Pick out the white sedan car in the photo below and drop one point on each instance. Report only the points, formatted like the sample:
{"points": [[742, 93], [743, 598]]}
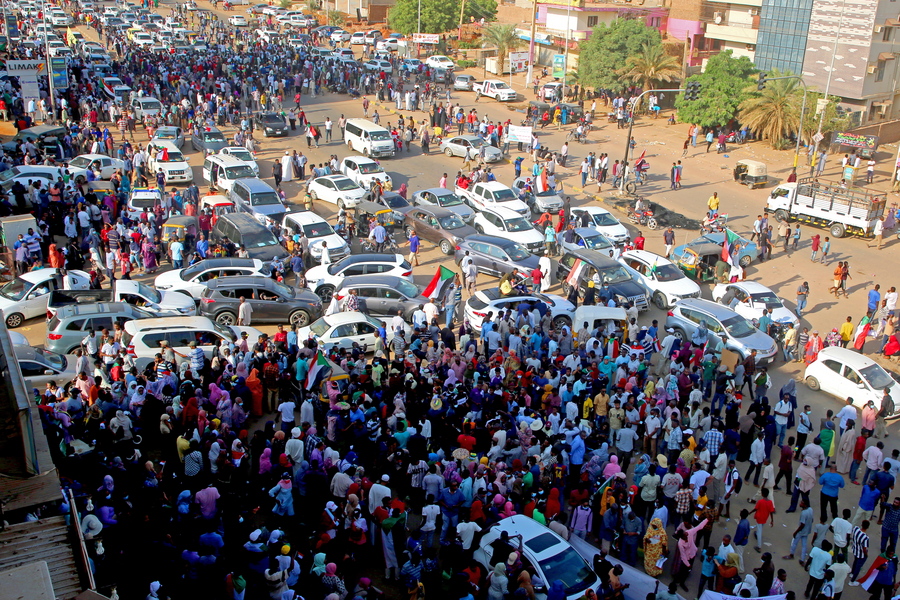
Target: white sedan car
{"points": [[25, 297], [192, 280], [749, 298], [348, 328], [336, 189], [846, 374], [602, 220], [439, 61], [339, 36], [387, 45], [107, 166], [492, 301], [378, 65], [238, 20], [358, 38], [666, 283], [364, 170]]}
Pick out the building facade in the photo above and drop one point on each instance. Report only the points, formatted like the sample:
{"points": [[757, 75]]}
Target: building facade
{"points": [[783, 31]]}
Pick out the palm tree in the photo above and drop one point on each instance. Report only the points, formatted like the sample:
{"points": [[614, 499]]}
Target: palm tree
{"points": [[504, 38], [651, 66], [773, 113]]}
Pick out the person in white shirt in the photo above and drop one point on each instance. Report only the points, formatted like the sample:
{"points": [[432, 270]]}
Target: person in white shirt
{"points": [[430, 513], [848, 413], [757, 456], [782, 412], [245, 312]]}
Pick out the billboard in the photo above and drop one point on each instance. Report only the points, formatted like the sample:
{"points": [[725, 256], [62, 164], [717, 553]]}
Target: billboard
{"points": [[868, 142], [60, 72], [27, 71], [517, 133], [559, 65], [426, 38], [12, 27], [518, 61]]}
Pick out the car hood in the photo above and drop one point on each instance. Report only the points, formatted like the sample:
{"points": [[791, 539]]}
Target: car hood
{"points": [[334, 241], [679, 287], [627, 289], [783, 315], [175, 301], [268, 253], [168, 279], [614, 232], [758, 341], [461, 210]]}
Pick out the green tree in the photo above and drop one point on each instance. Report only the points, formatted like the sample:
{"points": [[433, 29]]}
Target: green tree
{"points": [[438, 16], [724, 86], [833, 121], [334, 17], [607, 50], [773, 113], [651, 66], [502, 37]]}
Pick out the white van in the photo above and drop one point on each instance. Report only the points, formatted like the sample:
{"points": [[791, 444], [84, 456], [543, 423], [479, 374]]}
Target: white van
{"points": [[170, 159], [368, 138], [222, 170]]}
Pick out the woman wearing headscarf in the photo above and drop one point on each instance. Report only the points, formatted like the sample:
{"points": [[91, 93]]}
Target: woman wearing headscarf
{"points": [[265, 462], [749, 584], [593, 469], [641, 468], [612, 468], [332, 583], [498, 582], [826, 441], [728, 573], [656, 546], [845, 448], [256, 393], [284, 500], [121, 423], [747, 428], [553, 504], [213, 455], [557, 590], [190, 412]]}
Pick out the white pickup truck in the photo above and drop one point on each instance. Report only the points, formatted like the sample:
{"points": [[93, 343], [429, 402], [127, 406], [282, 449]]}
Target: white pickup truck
{"points": [[496, 89], [491, 194], [842, 211]]}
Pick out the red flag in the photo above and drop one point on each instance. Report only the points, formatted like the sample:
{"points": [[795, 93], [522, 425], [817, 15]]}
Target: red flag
{"points": [[164, 155]]}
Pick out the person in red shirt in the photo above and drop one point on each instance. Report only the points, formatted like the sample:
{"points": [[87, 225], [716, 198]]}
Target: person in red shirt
{"points": [[281, 337], [858, 450], [765, 511], [639, 241], [465, 439], [536, 277]]}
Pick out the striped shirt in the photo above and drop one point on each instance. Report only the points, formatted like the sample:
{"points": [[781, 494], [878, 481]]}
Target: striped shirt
{"points": [[860, 542]]}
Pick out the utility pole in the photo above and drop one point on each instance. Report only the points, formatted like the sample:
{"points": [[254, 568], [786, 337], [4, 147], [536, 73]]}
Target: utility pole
{"points": [[462, 12], [529, 77], [566, 59]]}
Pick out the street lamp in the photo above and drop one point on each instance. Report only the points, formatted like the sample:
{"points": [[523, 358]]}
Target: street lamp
{"points": [[818, 136], [635, 103]]}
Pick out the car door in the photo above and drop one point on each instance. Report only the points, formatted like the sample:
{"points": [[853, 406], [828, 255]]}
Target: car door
{"points": [[34, 374], [426, 226], [745, 309], [850, 384], [35, 303], [350, 169], [374, 300], [329, 191]]}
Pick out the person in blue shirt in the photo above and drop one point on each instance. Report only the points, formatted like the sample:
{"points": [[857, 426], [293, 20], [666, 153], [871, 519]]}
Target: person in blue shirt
{"points": [[742, 535], [202, 246], [884, 581], [451, 500], [831, 483], [868, 500], [708, 569], [874, 300], [517, 165]]}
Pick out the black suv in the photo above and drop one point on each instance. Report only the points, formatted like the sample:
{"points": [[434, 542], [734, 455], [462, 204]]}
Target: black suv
{"points": [[614, 279], [270, 123], [495, 255], [272, 301]]}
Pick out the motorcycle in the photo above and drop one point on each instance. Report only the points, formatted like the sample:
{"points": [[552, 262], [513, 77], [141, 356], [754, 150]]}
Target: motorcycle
{"points": [[643, 217], [713, 222], [734, 138]]}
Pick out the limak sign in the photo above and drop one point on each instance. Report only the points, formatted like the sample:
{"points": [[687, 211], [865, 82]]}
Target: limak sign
{"points": [[24, 66]]}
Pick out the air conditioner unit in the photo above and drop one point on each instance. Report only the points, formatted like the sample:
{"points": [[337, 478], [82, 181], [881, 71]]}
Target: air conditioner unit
{"points": [[879, 28], [871, 69], [753, 12], [718, 18], [751, 47]]}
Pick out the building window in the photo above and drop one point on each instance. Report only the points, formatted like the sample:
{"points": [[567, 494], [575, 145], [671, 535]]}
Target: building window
{"points": [[592, 22], [888, 34], [879, 71], [655, 22]]}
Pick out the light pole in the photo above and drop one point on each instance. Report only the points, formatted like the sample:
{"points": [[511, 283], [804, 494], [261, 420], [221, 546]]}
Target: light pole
{"points": [[818, 136], [419, 21], [636, 102], [529, 77], [566, 59], [49, 70]]}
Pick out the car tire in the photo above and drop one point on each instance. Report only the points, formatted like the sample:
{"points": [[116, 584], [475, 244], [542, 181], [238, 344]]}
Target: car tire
{"points": [[781, 215], [15, 320], [300, 318], [313, 195], [660, 301], [446, 248], [226, 318], [813, 384], [681, 334], [838, 230], [408, 231], [745, 261], [340, 204], [561, 321], [448, 152], [325, 293]]}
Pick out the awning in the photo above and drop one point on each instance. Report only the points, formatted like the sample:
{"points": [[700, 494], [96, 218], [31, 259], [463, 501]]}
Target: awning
{"points": [[882, 103], [887, 56]]}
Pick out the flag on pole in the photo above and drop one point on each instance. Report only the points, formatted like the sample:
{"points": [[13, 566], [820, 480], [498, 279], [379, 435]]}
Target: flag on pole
{"points": [[869, 578], [729, 246], [575, 275], [318, 368], [437, 283], [540, 182]]}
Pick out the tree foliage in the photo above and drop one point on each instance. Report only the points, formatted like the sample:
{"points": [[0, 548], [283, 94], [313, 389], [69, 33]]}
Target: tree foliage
{"points": [[724, 86], [608, 49], [334, 17], [773, 113], [438, 16], [651, 66], [504, 38]]}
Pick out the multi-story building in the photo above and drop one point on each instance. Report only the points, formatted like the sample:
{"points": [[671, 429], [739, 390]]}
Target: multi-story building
{"points": [[783, 30]]}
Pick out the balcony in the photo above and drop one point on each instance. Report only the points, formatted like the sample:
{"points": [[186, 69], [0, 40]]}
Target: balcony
{"points": [[740, 33]]}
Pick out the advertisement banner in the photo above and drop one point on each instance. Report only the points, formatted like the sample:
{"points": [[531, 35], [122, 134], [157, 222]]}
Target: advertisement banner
{"points": [[518, 61], [426, 38], [517, 133], [559, 65], [12, 27], [60, 72], [18, 67], [869, 142]]}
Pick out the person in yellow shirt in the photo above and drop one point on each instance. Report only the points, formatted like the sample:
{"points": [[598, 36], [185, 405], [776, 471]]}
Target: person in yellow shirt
{"points": [[846, 331], [713, 202]]}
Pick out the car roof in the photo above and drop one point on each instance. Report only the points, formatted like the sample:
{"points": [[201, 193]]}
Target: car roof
{"points": [[353, 281], [89, 310], [590, 209], [221, 263], [361, 159], [648, 257], [27, 353], [847, 356], [241, 220], [490, 239], [751, 286], [240, 280], [334, 177], [592, 256], [502, 212], [305, 217], [437, 211], [344, 317], [162, 323], [438, 191], [370, 257], [713, 308], [529, 529]]}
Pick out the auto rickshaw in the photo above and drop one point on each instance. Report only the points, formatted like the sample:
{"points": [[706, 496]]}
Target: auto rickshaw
{"points": [[699, 261], [218, 205], [751, 173], [538, 109], [185, 228], [366, 210], [100, 187]]}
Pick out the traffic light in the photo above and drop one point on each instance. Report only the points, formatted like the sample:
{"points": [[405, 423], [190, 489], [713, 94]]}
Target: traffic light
{"points": [[761, 83], [692, 92]]}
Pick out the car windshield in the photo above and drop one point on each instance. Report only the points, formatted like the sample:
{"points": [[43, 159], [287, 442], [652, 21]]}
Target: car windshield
{"points": [[189, 273], [451, 222], [57, 361], [168, 134], [258, 239], [476, 143], [151, 105], [407, 289], [372, 167], [614, 275], [345, 185], [506, 195], [668, 273], [270, 118], [143, 201], [317, 230], [517, 252], [15, 289], [546, 194], [239, 172], [213, 136], [876, 376], [81, 162], [767, 298], [174, 156], [739, 327], [570, 568], [379, 136], [319, 327], [283, 290], [263, 198], [149, 293], [395, 201], [224, 331], [449, 200], [10, 173], [604, 219], [518, 224], [501, 86], [596, 242], [241, 154]]}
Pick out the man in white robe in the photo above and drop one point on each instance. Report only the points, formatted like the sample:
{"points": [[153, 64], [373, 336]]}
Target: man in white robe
{"points": [[287, 168]]}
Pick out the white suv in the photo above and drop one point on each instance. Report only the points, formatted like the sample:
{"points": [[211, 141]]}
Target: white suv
{"points": [[508, 224], [325, 279], [666, 283], [142, 338], [192, 280], [318, 231]]}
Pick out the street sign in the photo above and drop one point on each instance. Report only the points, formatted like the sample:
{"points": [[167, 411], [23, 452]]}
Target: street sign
{"points": [[517, 133], [426, 38], [559, 65], [518, 61], [818, 137], [60, 72]]}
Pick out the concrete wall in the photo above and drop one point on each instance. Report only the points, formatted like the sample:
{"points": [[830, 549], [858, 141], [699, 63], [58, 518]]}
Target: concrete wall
{"points": [[888, 132]]}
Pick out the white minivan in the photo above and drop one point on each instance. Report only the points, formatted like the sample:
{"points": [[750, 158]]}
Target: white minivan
{"points": [[222, 170], [368, 138]]}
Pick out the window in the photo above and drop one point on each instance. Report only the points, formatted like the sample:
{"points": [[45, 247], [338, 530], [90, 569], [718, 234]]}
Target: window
{"points": [[879, 70], [852, 376], [31, 369], [152, 340], [592, 22], [76, 325], [833, 365], [345, 330], [888, 34]]}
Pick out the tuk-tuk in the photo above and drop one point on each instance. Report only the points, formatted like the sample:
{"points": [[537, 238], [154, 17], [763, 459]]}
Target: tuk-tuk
{"points": [[573, 112], [100, 187], [217, 204], [751, 173], [699, 261], [336, 375], [536, 109], [182, 227], [366, 210]]}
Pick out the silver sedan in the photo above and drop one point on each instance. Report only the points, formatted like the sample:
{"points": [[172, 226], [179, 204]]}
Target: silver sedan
{"points": [[457, 146]]}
